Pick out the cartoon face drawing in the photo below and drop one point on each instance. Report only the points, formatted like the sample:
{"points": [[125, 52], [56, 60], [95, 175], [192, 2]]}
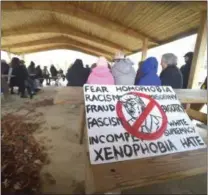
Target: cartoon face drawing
{"points": [[133, 104]]}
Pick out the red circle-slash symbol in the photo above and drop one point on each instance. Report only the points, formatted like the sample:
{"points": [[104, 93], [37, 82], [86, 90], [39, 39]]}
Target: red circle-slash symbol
{"points": [[133, 130]]}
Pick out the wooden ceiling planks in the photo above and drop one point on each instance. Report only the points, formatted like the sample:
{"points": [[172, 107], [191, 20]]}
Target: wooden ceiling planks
{"points": [[108, 26]]}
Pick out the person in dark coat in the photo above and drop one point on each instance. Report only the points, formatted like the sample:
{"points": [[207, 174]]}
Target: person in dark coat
{"points": [[4, 81], [53, 71], [20, 76], [185, 69], [148, 73], [77, 75], [31, 69], [39, 74], [171, 75], [46, 75]]}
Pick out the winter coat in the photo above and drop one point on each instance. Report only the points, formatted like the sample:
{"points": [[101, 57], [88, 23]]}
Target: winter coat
{"points": [[123, 72], [53, 71], [101, 75], [4, 68], [171, 76], [77, 75], [148, 73]]}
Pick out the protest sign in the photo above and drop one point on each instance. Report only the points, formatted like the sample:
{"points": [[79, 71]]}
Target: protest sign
{"points": [[132, 122]]}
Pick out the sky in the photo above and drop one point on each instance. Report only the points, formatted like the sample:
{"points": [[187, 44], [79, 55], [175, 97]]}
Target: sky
{"points": [[63, 58]]}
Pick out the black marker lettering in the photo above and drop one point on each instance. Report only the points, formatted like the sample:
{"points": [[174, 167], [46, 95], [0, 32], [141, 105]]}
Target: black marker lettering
{"points": [[98, 155], [108, 153], [118, 152], [128, 150], [153, 147]]}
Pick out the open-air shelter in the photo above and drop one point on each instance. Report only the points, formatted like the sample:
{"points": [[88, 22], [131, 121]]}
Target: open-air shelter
{"points": [[102, 28]]}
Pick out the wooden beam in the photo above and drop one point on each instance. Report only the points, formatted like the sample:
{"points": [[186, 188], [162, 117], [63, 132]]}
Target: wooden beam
{"points": [[59, 39], [60, 46], [144, 49], [199, 51], [196, 115], [197, 6], [76, 12], [51, 27]]}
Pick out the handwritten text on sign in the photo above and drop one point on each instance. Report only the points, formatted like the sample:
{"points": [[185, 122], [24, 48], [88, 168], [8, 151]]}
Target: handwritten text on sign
{"points": [[132, 122]]}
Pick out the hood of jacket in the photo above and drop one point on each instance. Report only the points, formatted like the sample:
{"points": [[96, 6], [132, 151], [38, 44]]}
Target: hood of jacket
{"points": [[150, 65], [101, 71], [124, 66]]}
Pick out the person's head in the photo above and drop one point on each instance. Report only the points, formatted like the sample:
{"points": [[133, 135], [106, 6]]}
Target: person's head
{"points": [[38, 67], [32, 64], [87, 66], [188, 57], [133, 105], [102, 62], [22, 62], [119, 56], [15, 62], [78, 64], [149, 65], [93, 65], [3, 62], [168, 59]]}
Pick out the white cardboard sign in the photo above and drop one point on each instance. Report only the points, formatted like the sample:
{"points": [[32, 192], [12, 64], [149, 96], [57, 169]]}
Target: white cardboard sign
{"points": [[133, 122]]}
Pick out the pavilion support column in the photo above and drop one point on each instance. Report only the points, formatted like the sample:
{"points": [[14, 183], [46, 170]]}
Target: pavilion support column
{"points": [[23, 56], [9, 55], [199, 51], [144, 49]]}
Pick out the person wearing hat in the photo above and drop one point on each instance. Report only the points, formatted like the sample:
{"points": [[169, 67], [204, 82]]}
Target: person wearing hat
{"points": [[101, 73], [185, 69], [122, 70]]}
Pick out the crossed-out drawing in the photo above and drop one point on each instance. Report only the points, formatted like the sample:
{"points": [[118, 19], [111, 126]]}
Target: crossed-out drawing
{"points": [[134, 106]]}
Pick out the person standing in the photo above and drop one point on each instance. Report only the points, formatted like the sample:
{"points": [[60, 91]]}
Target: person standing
{"points": [[122, 70], [148, 73], [171, 75], [77, 75], [101, 74], [185, 69], [46, 75], [39, 74], [20, 76]]}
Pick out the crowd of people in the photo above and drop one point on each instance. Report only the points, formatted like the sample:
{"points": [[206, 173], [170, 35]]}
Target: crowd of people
{"points": [[16, 74], [122, 72]]}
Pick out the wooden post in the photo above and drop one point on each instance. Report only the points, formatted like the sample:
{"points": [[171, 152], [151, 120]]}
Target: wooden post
{"points": [[144, 49], [199, 51], [23, 56], [9, 55]]}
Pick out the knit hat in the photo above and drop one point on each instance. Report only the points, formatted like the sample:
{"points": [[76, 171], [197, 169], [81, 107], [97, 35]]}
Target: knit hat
{"points": [[119, 55], [102, 62]]}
